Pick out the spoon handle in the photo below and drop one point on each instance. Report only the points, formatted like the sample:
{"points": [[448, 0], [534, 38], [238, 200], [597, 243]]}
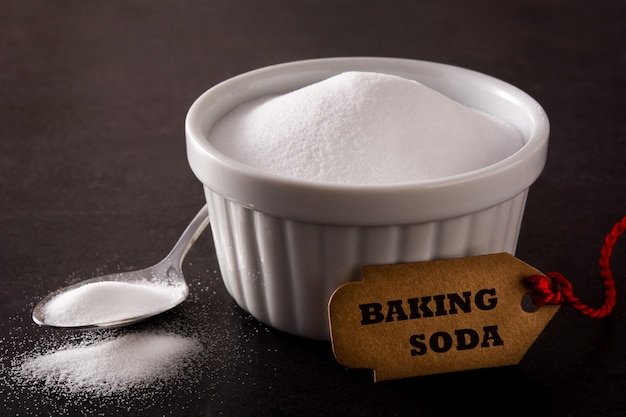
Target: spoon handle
{"points": [[189, 236]]}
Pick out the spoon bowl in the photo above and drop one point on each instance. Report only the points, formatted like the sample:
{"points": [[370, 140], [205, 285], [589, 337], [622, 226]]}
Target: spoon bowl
{"points": [[110, 301]]}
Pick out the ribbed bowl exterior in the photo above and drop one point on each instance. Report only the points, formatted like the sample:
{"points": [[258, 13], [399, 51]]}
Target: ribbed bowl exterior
{"points": [[283, 272]]}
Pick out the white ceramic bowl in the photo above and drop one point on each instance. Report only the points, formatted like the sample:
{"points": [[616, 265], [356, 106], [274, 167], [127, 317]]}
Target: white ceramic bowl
{"points": [[284, 244]]}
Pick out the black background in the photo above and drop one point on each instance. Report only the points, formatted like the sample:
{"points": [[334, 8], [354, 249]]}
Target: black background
{"points": [[94, 179]]}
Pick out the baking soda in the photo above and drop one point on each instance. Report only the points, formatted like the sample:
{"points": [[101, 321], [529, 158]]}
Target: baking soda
{"points": [[111, 364], [110, 301], [45, 371], [364, 128]]}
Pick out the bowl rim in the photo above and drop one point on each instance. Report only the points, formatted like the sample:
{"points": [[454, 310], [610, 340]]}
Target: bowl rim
{"points": [[365, 204]]}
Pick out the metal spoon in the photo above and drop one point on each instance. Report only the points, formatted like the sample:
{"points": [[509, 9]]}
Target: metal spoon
{"points": [[167, 272]]}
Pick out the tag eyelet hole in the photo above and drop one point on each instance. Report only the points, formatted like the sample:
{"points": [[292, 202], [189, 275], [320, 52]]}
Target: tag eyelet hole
{"points": [[527, 304]]}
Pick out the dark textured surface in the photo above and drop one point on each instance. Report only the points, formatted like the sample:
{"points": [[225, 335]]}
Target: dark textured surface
{"points": [[94, 179]]}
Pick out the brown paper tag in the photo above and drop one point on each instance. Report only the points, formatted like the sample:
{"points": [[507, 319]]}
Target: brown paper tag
{"points": [[425, 318]]}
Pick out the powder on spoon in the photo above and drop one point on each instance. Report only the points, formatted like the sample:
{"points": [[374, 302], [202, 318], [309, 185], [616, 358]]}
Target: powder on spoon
{"points": [[364, 128], [109, 301]]}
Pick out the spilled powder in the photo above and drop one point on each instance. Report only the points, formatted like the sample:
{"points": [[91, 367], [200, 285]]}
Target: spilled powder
{"points": [[111, 364], [49, 372], [110, 301], [364, 128]]}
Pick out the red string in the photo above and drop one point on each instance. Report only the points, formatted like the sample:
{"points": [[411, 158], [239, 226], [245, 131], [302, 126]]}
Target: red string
{"points": [[554, 288]]}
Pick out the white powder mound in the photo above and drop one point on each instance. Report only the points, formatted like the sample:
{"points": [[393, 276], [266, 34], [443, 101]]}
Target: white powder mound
{"points": [[112, 364], [364, 128], [109, 301]]}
